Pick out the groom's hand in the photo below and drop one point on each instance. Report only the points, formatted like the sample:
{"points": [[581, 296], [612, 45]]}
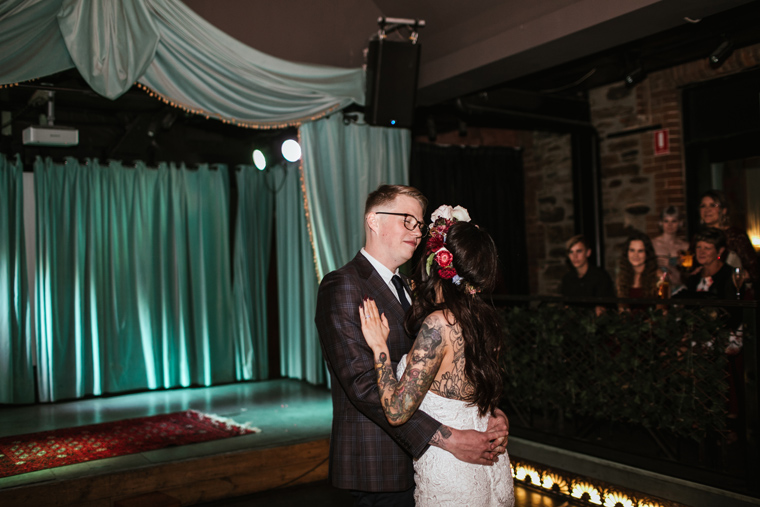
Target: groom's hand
{"points": [[499, 421], [470, 446]]}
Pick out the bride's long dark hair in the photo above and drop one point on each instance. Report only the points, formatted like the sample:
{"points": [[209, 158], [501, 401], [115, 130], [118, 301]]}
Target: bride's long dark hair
{"points": [[476, 261]]}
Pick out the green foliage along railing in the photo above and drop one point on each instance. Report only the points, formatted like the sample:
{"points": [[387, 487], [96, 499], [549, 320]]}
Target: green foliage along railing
{"points": [[661, 370]]}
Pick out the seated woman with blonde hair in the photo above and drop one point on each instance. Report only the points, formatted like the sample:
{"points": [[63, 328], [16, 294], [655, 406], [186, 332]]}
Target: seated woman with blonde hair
{"points": [[669, 247]]}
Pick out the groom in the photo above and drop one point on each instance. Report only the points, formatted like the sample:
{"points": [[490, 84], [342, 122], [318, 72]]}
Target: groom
{"points": [[367, 455]]}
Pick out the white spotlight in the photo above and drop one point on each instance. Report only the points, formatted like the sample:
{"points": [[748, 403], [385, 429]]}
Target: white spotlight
{"points": [[291, 150], [259, 160]]}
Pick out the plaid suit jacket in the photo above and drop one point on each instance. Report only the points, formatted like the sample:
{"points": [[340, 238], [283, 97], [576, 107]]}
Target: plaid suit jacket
{"points": [[366, 453]]}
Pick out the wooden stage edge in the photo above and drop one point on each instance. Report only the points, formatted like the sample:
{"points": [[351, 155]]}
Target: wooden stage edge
{"points": [[187, 482]]}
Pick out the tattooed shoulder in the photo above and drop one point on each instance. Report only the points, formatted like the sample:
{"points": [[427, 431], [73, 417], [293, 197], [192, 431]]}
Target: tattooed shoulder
{"points": [[430, 339], [451, 381]]}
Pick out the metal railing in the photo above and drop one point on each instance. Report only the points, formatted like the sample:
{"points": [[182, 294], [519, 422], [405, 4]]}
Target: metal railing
{"points": [[667, 385]]}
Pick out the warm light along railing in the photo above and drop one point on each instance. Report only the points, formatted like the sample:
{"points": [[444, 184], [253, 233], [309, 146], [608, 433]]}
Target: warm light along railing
{"points": [[664, 386]]}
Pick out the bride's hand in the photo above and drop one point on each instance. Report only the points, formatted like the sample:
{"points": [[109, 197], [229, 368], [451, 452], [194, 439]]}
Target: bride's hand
{"points": [[374, 325]]}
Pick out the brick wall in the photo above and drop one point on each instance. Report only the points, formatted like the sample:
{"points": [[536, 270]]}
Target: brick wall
{"points": [[636, 183], [547, 161]]}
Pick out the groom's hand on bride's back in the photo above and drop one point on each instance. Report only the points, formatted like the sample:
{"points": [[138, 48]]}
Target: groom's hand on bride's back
{"points": [[471, 446], [499, 421]]}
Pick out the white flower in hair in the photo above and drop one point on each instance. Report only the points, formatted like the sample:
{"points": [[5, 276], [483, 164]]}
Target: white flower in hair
{"points": [[460, 214], [446, 212], [443, 211]]}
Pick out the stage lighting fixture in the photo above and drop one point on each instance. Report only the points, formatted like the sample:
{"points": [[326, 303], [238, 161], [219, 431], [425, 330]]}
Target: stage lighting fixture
{"points": [[721, 54], [634, 77], [291, 150], [259, 160]]}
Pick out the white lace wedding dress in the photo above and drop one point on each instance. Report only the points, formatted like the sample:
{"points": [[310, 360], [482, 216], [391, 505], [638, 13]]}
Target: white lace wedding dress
{"points": [[443, 480]]}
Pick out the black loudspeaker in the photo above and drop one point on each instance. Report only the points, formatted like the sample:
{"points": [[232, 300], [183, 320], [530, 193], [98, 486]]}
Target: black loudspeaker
{"points": [[392, 68]]}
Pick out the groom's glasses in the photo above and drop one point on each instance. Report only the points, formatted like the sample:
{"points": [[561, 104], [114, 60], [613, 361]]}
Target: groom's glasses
{"points": [[410, 222]]}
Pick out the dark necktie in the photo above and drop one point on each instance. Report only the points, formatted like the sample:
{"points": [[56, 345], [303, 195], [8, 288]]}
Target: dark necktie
{"points": [[400, 291]]}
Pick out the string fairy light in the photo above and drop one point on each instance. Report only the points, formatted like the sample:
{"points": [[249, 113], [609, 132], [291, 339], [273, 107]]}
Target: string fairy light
{"points": [[234, 121]]}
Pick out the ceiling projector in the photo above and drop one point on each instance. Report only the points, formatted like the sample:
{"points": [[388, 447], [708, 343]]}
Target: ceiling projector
{"points": [[50, 135]]}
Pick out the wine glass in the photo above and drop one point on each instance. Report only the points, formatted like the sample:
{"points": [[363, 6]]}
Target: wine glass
{"points": [[687, 259], [738, 275]]}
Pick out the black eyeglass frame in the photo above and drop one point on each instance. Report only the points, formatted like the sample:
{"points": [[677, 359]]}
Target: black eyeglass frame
{"points": [[420, 225]]}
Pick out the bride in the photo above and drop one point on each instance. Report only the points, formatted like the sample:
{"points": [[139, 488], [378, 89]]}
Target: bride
{"points": [[452, 371]]}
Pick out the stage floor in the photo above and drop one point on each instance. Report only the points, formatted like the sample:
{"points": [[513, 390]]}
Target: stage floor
{"points": [[289, 412]]}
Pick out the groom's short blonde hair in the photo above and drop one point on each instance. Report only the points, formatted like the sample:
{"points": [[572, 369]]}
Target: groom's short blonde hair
{"points": [[387, 193]]}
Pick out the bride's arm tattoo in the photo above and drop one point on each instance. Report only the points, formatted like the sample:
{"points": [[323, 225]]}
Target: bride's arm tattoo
{"points": [[400, 398]]}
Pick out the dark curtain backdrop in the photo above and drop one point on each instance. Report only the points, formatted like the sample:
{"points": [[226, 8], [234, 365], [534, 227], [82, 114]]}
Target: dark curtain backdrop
{"points": [[488, 181]]}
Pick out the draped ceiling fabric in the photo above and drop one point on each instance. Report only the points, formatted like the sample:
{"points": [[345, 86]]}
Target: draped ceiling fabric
{"points": [[166, 47], [169, 50]]}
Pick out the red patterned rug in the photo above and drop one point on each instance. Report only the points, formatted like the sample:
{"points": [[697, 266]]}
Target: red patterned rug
{"points": [[49, 449]]}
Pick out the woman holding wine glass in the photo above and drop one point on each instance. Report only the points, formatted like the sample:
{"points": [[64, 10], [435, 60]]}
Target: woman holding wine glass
{"points": [[713, 212], [714, 279], [739, 276]]}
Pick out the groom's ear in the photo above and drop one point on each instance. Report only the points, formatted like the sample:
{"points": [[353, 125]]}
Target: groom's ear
{"points": [[371, 220]]}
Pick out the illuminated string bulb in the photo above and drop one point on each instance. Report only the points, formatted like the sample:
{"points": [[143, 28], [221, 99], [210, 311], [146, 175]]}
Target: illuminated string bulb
{"points": [[615, 499], [524, 471], [233, 121], [649, 503], [555, 483], [587, 492]]}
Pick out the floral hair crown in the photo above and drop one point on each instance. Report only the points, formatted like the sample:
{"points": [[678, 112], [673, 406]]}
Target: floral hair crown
{"points": [[442, 219]]}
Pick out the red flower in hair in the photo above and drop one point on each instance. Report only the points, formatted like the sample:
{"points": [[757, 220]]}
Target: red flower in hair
{"points": [[447, 273], [435, 243], [444, 258]]}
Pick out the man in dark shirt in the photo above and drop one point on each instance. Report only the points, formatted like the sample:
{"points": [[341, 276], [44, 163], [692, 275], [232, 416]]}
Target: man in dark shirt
{"points": [[584, 280]]}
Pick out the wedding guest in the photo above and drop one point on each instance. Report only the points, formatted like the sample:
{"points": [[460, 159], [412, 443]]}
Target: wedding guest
{"points": [[638, 274], [670, 247], [584, 280], [713, 211], [713, 280], [637, 270]]}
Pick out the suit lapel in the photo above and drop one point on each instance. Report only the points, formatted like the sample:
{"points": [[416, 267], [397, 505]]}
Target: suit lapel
{"points": [[386, 301]]}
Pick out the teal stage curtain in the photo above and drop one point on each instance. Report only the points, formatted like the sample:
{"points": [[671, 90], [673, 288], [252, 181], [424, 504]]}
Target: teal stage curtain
{"points": [[16, 380], [300, 352], [253, 241], [341, 165], [165, 46], [133, 285]]}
